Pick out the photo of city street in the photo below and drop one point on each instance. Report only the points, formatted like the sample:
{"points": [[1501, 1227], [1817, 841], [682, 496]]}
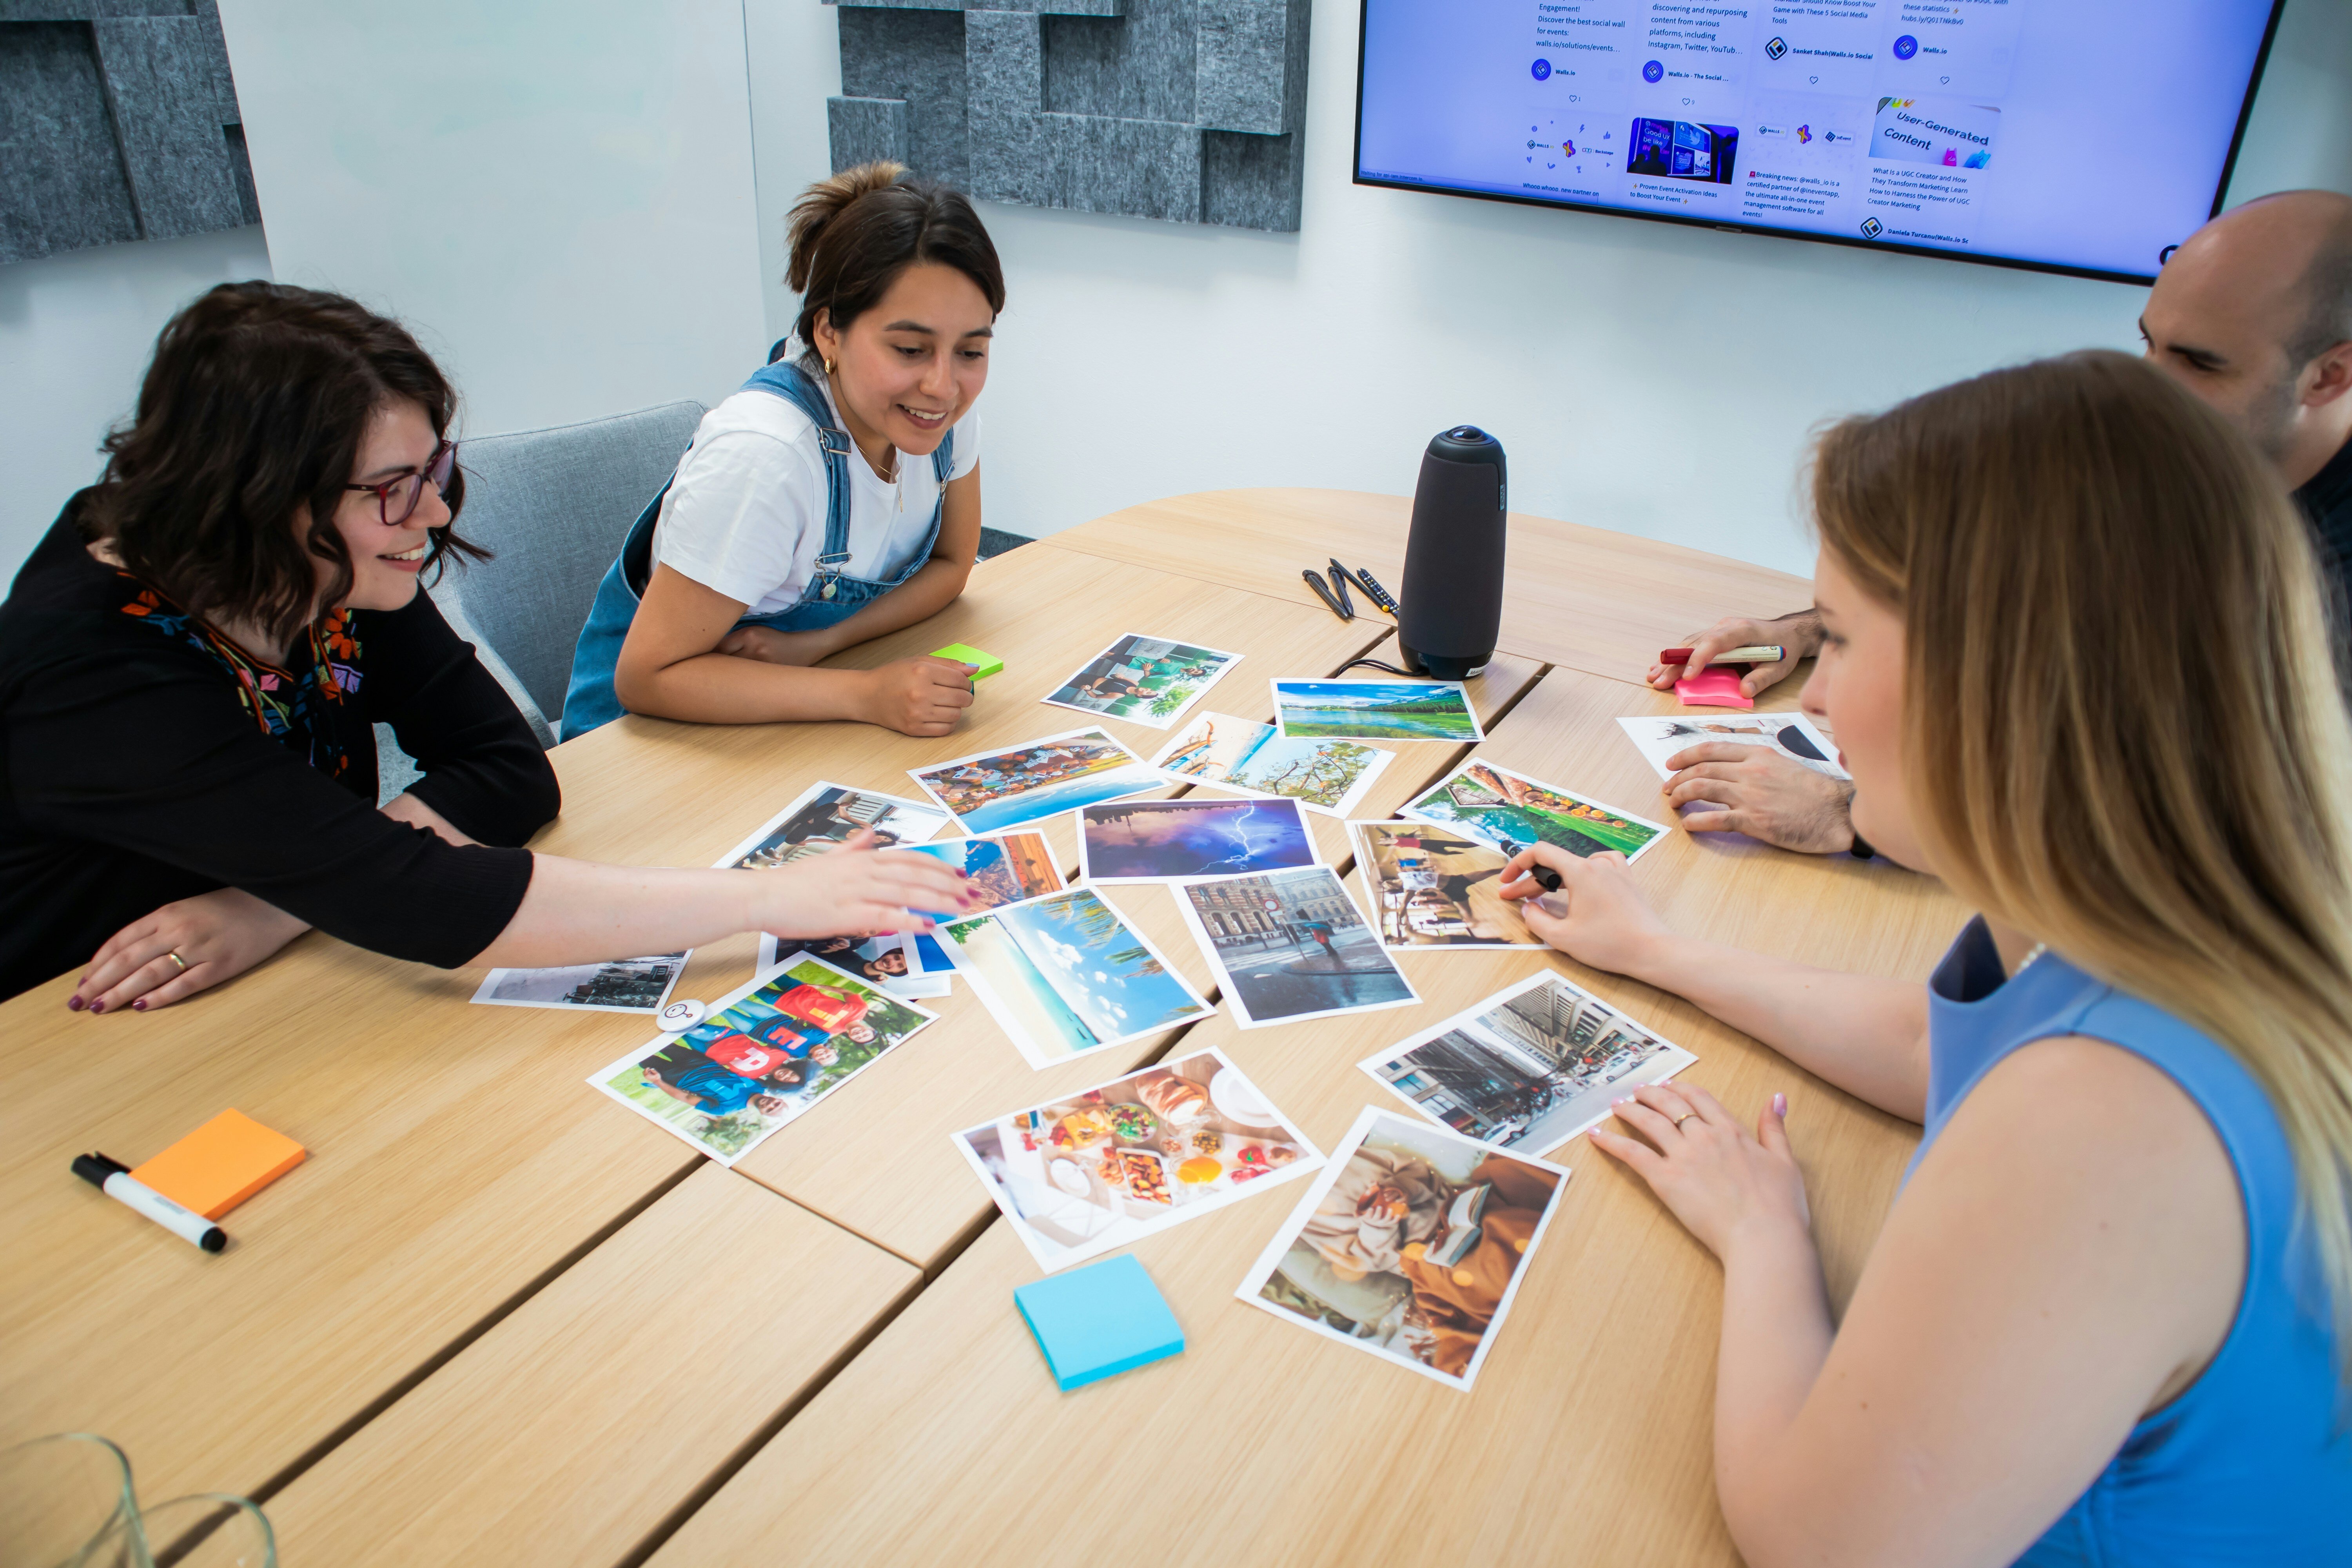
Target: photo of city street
{"points": [[622, 985], [1291, 945], [1529, 1069]]}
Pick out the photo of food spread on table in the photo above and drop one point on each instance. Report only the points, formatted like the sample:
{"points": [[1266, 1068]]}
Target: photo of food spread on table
{"points": [[1081, 1176]]}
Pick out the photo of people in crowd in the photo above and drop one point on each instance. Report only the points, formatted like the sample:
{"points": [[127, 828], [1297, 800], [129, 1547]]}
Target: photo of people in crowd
{"points": [[762, 1058], [1143, 679], [826, 815]]}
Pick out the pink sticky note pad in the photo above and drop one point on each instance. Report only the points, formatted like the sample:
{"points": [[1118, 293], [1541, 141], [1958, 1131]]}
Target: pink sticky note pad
{"points": [[1714, 686]]}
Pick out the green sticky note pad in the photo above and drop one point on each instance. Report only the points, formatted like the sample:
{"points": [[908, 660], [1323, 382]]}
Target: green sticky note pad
{"points": [[964, 653], [1099, 1320]]}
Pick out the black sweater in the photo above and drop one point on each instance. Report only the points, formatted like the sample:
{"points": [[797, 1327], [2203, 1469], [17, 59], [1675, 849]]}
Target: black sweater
{"points": [[142, 761]]}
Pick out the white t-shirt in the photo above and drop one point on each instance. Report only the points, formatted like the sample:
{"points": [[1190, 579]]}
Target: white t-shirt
{"points": [[745, 517]]}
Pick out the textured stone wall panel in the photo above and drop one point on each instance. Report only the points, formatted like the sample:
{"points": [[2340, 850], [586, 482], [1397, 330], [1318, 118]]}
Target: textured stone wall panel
{"points": [[1138, 67], [118, 122], [1140, 168], [866, 131], [916, 55], [62, 181], [159, 73], [1185, 111], [1239, 69]]}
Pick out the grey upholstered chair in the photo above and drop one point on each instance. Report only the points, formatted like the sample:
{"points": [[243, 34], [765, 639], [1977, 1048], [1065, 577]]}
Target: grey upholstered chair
{"points": [[553, 505]]}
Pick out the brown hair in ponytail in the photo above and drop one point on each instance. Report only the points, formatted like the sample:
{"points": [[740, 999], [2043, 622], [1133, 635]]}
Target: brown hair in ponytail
{"points": [[854, 234]]}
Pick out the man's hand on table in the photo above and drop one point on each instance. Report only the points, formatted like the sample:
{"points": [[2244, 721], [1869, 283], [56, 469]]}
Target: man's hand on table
{"points": [[1773, 798], [1798, 635]]}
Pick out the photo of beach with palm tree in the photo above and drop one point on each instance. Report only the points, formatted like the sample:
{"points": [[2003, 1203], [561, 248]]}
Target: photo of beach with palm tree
{"points": [[1066, 974]]}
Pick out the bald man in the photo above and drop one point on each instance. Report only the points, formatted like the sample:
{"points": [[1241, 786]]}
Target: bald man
{"points": [[2254, 314]]}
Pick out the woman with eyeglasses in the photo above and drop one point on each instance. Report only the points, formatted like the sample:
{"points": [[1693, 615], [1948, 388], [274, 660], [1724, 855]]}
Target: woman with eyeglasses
{"points": [[193, 657]]}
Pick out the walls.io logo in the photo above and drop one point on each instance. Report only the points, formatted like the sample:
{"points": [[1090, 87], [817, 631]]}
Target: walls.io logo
{"points": [[1776, 48], [1872, 228]]}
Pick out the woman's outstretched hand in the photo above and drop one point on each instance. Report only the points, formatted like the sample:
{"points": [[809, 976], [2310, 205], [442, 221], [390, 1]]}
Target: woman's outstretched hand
{"points": [[1599, 917], [217, 935], [856, 889], [1719, 1178]]}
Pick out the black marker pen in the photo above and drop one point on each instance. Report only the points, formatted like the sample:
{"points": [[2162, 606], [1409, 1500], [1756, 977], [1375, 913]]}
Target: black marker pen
{"points": [[112, 1177]]}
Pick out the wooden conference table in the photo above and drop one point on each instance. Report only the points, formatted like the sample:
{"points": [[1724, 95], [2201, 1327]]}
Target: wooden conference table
{"points": [[497, 1319]]}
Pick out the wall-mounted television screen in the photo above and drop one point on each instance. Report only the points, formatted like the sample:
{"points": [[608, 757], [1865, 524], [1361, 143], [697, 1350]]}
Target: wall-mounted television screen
{"points": [[2082, 136]]}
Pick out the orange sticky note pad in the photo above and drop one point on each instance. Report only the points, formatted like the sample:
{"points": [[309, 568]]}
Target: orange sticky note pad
{"points": [[220, 1165]]}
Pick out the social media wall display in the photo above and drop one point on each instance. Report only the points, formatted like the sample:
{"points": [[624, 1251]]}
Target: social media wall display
{"points": [[2083, 134]]}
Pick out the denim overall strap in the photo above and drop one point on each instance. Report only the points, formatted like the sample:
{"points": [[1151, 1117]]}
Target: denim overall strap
{"points": [[791, 383]]}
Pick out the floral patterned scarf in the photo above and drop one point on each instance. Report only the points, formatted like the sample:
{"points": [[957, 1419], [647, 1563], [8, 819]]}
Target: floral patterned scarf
{"points": [[286, 706]]}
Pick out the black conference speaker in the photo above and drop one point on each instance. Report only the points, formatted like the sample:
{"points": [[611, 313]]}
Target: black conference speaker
{"points": [[1450, 605]]}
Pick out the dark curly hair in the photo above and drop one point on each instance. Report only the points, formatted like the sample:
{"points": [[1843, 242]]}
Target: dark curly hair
{"points": [[253, 409]]}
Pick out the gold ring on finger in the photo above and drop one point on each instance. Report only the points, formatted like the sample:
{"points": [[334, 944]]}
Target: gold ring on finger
{"points": [[175, 958], [1686, 1116]]}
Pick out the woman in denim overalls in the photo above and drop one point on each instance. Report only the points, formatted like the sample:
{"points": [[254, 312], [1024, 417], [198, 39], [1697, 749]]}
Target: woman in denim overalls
{"points": [[729, 590]]}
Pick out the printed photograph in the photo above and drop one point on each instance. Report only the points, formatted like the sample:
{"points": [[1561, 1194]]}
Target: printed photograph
{"points": [[1005, 869], [622, 985], [1249, 758], [886, 960], [1410, 1245], [992, 791], [1375, 710], [1101, 1169], [1432, 887], [1144, 680], [1791, 734], [1172, 840], [1511, 812], [1290, 945], [1527, 1068], [762, 1057], [826, 815], [1066, 974]]}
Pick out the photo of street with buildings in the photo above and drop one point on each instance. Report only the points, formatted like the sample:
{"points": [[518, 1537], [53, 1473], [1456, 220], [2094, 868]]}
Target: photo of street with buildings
{"points": [[1529, 1069], [1292, 945]]}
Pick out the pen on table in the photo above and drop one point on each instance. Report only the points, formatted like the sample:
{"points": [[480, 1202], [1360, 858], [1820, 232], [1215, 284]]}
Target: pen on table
{"points": [[1340, 586], [1314, 581], [1373, 590], [1758, 653], [112, 1177]]}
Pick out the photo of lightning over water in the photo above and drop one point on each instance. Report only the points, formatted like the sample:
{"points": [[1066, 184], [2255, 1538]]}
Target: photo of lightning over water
{"points": [[1171, 840]]}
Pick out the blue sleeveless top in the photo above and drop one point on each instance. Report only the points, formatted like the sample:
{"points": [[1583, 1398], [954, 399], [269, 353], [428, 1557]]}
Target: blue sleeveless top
{"points": [[2247, 1466]]}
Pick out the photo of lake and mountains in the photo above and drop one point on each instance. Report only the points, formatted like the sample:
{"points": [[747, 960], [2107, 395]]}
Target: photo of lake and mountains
{"points": [[1376, 710]]}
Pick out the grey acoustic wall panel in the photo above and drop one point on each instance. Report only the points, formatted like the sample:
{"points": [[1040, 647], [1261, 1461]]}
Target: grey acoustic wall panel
{"points": [[118, 122], [1190, 111]]}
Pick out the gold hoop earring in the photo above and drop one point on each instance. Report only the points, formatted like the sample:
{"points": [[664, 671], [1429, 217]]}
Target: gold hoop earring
{"points": [[828, 367]]}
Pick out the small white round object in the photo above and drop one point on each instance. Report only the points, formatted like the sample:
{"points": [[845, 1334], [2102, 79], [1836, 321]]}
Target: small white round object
{"points": [[680, 1016]]}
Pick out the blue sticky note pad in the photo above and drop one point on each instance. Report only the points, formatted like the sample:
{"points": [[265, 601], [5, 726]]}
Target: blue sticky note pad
{"points": [[1099, 1320]]}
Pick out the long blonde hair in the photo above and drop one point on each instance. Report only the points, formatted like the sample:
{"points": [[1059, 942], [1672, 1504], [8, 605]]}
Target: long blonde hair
{"points": [[2123, 729]]}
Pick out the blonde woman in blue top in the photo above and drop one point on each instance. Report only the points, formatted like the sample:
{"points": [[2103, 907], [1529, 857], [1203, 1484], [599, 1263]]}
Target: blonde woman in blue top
{"points": [[2078, 665], [833, 498]]}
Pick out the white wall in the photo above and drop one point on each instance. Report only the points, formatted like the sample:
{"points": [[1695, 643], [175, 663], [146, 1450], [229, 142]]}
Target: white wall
{"points": [[76, 332], [556, 194], [561, 199], [1641, 377]]}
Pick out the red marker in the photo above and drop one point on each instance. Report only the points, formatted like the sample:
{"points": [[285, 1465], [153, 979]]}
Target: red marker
{"points": [[1759, 653]]}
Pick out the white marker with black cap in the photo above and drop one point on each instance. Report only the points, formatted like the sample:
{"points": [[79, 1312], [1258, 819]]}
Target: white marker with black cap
{"points": [[112, 1177]]}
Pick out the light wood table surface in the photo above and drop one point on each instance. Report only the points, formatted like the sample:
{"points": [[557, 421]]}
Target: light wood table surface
{"points": [[1588, 598], [1585, 1439], [458, 1160], [573, 1429]]}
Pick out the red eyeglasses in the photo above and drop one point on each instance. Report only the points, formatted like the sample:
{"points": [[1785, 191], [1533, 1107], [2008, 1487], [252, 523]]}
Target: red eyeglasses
{"points": [[396, 499]]}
